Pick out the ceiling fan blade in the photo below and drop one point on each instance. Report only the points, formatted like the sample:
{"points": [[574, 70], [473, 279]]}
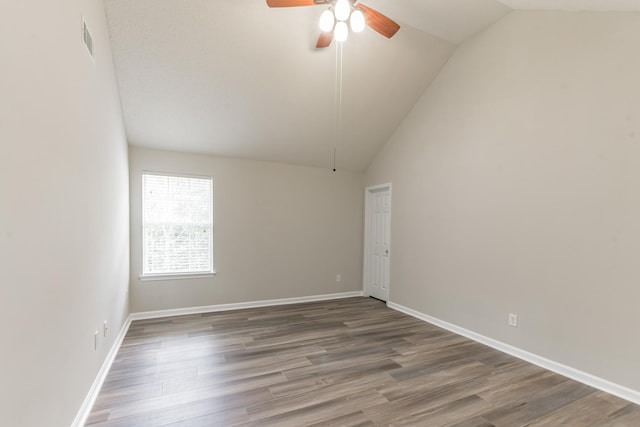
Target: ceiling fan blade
{"points": [[290, 3], [379, 22], [324, 40]]}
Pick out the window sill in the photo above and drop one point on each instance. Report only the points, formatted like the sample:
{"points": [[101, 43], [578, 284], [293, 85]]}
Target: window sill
{"points": [[179, 276]]}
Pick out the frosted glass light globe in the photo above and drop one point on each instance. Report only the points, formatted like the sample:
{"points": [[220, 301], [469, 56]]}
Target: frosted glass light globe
{"points": [[327, 20], [343, 9], [357, 21], [341, 31]]}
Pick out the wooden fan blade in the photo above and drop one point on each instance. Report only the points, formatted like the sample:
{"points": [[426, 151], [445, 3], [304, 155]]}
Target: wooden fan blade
{"points": [[290, 3], [379, 22], [324, 40]]}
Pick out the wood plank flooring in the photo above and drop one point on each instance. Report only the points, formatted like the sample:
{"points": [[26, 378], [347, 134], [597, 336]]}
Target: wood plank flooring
{"points": [[350, 362]]}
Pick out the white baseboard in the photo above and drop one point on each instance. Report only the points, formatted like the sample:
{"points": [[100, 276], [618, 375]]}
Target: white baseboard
{"points": [[567, 371], [85, 409], [239, 305]]}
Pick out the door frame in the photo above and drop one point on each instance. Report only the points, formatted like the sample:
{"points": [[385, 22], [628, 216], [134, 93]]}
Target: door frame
{"points": [[368, 197]]}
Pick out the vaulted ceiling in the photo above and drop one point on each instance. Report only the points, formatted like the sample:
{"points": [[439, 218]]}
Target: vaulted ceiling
{"points": [[237, 78]]}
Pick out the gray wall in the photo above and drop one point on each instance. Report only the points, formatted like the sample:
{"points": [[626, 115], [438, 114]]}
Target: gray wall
{"points": [[515, 189], [280, 231], [64, 214]]}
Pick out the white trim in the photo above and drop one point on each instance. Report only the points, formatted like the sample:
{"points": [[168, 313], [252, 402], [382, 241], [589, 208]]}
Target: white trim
{"points": [[567, 371], [240, 305], [85, 409], [367, 222], [178, 174], [176, 276]]}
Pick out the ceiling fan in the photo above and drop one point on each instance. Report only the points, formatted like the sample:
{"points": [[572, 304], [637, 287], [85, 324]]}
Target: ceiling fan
{"points": [[333, 21]]}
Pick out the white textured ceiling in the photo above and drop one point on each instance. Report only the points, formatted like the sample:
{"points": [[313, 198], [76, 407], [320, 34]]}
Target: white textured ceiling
{"points": [[240, 79], [451, 20], [575, 5]]}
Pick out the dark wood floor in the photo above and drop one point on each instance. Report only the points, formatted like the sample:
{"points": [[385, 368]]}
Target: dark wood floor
{"points": [[351, 362]]}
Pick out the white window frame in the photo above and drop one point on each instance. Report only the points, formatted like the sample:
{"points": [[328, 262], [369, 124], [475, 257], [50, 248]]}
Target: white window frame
{"points": [[174, 276]]}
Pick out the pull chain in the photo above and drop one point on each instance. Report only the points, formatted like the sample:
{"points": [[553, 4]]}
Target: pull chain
{"points": [[338, 101], [334, 159]]}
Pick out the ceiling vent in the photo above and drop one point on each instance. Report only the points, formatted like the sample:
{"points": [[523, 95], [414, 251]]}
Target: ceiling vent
{"points": [[87, 39]]}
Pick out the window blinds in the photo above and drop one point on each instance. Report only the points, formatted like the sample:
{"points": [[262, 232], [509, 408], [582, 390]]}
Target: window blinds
{"points": [[177, 224]]}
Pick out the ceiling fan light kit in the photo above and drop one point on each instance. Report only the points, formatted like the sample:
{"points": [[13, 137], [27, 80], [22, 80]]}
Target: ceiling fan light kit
{"points": [[333, 21]]}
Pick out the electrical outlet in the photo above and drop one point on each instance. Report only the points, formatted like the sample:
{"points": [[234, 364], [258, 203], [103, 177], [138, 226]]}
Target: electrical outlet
{"points": [[104, 328], [513, 320], [338, 277], [95, 340]]}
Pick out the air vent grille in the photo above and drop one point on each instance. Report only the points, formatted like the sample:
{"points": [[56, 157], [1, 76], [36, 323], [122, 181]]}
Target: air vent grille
{"points": [[87, 39]]}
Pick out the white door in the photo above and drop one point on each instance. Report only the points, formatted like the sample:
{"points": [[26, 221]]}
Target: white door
{"points": [[378, 235]]}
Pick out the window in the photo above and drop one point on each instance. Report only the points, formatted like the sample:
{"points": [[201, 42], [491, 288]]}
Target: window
{"points": [[177, 225]]}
